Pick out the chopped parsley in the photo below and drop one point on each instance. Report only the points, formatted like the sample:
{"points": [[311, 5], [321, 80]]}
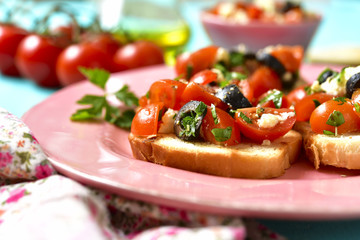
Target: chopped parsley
{"points": [[222, 134], [214, 115], [275, 96], [341, 100], [244, 117], [99, 105], [357, 107]]}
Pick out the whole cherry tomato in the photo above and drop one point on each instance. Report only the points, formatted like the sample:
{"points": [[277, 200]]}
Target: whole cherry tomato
{"points": [[263, 80], [221, 121], [335, 116], [81, 55], [297, 94], [249, 122], [188, 64], [104, 41], [36, 59], [307, 105], [10, 38], [146, 120], [138, 54], [168, 92]]}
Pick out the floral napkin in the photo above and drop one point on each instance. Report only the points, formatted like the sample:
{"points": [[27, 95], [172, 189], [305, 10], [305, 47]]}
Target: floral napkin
{"points": [[37, 203]]}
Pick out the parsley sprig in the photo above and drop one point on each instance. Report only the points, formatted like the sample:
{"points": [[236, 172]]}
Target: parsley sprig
{"points": [[99, 106]]}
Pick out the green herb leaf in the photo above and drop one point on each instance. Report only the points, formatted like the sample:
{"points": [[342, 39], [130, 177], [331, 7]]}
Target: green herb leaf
{"points": [[316, 102], [127, 97], [335, 119], [260, 110], [189, 71], [246, 118], [326, 132], [275, 96], [308, 90], [213, 113], [232, 112], [236, 59], [235, 75], [200, 109], [124, 121], [341, 100], [189, 120], [221, 134], [97, 76], [357, 107]]}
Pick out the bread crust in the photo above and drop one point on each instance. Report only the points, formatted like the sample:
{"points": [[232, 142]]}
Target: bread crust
{"points": [[245, 160], [342, 151]]}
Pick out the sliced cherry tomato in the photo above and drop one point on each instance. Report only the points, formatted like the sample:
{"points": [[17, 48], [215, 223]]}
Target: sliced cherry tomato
{"points": [[263, 102], [194, 91], [36, 59], [224, 121], [192, 63], [356, 100], [143, 101], [80, 55], [261, 124], [146, 120], [138, 54], [290, 56], [297, 94], [307, 105], [263, 80], [340, 111], [246, 90], [10, 38], [204, 77], [167, 91]]}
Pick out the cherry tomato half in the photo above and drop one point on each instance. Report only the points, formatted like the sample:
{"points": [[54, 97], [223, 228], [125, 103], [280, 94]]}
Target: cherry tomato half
{"points": [[224, 121], [146, 120], [10, 38], [340, 108], [204, 77], [263, 80], [262, 102], [36, 59], [167, 91], [253, 127], [290, 56], [356, 100], [138, 54], [307, 105], [197, 61]]}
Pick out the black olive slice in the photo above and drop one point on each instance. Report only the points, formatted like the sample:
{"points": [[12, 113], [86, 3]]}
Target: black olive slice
{"points": [[325, 75], [189, 119], [232, 96], [272, 62], [352, 84]]}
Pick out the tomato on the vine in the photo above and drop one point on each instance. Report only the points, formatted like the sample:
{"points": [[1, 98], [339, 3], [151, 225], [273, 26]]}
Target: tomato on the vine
{"points": [[221, 121], [146, 120], [307, 105], [188, 64], [168, 92], [336, 116], [80, 55], [261, 124], [263, 80], [10, 38], [36, 59], [138, 54]]}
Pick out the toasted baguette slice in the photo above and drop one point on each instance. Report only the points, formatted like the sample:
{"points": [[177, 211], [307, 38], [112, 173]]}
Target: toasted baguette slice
{"points": [[341, 151], [245, 160]]}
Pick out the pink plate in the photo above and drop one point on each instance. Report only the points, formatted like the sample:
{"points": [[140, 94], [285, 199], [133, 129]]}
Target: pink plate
{"points": [[98, 154]]}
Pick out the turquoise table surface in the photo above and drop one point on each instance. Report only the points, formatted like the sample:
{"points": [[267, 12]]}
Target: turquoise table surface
{"points": [[339, 28]]}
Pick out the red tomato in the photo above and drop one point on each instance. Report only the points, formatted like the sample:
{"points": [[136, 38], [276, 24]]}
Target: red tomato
{"points": [[224, 121], [194, 91], [258, 133], [261, 103], [143, 101], [105, 42], [146, 120], [138, 54], [197, 61], [263, 80], [294, 16], [246, 89], [168, 92], [297, 94], [321, 114], [253, 12], [356, 100], [290, 57], [204, 77], [307, 105], [80, 55], [36, 59], [64, 34], [10, 38]]}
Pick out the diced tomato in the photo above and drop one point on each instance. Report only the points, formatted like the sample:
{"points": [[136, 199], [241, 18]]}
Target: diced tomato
{"points": [[224, 120], [248, 120], [167, 91], [204, 77], [188, 64], [340, 111], [263, 80], [307, 105], [290, 56], [194, 91], [146, 120], [297, 94]]}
